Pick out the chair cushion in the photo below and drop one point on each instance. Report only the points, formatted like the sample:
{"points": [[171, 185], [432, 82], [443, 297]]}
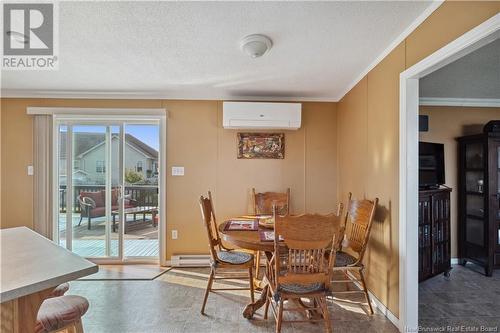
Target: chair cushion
{"points": [[57, 312], [60, 290], [234, 257], [301, 288], [98, 212], [343, 259]]}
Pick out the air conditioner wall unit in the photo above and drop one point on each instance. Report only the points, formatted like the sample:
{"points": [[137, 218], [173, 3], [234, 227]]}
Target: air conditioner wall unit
{"points": [[261, 115]]}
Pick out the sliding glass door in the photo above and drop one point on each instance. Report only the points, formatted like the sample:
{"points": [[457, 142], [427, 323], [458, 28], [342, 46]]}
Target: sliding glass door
{"points": [[107, 175]]}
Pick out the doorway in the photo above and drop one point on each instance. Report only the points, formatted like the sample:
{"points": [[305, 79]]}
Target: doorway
{"points": [[408, 160], [108, 188]]}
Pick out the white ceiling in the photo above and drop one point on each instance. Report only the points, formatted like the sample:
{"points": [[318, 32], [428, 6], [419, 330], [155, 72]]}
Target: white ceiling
{"points": [[191, 49], [474, 76]]}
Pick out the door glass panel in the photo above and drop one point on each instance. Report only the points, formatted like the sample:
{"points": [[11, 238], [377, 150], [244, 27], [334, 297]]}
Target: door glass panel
{"points": [[141, 190], [116, 183], [108, 193], [62, 182], [474, 155], [89, 185]]}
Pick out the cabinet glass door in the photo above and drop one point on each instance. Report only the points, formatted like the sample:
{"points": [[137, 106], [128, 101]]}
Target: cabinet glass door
{"points": [[474, 198], [496, 194]]}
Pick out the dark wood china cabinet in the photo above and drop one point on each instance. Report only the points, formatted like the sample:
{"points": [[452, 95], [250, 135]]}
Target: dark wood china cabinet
{"points": [[479, 199]]}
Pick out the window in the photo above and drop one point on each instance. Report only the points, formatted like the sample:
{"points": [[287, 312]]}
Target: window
{"points": [[76, 164], [138, 168], [100, 167]]}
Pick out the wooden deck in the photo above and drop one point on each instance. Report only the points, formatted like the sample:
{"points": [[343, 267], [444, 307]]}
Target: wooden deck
{"points": [[132, 247], [91, 243]]}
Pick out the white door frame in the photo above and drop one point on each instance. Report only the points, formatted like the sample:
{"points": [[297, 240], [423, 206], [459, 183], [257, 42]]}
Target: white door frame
{"points": [[408, 160], [159, 115]]}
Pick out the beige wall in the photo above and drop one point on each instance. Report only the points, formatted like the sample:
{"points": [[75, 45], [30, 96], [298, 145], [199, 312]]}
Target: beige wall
{"points": [[368, 146], [445, 125], [368, 135], [197, 141]]}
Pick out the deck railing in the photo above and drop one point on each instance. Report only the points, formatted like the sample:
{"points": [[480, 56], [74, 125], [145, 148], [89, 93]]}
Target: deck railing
{"points": [[145, 195]]}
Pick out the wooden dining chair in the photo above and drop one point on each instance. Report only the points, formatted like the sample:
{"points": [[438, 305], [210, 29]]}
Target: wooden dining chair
{"points": [[349, 251], [263, 204], [300, 269], [224, 263]]}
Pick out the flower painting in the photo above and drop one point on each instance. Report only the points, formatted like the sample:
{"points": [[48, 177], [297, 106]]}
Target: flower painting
{"points": [[261, 145]]}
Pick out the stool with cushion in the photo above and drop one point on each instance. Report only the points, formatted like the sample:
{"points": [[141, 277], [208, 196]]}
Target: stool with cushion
{"points": [[62, 313], [60, 290]]}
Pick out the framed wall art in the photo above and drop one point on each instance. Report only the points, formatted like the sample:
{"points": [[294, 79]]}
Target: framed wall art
{"points": [[261, 145]]}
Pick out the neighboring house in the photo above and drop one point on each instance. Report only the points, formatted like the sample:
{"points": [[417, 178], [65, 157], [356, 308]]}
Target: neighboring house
{"points": [[90, 164]]}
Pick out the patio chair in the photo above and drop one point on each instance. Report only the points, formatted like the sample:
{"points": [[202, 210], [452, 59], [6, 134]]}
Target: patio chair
{"points": [[92, 204], [225, 261]]}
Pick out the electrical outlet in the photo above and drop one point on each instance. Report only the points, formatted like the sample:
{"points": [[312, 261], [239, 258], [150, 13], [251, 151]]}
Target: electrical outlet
{"points": [[177, 171], [30, 170], [174, 234]]}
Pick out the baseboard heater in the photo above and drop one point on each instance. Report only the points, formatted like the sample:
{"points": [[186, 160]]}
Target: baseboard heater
{"points": [[190, 260], [197, 260]]}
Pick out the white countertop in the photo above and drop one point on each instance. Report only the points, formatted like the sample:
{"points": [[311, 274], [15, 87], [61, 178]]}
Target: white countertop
{"points": [[30, 263]]}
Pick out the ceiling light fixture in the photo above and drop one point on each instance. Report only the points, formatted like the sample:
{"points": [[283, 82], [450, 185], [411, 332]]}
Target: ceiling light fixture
{"points": [[256, 45]]}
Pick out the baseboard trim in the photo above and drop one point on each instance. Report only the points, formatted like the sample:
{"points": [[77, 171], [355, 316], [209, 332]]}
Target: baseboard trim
{"points": [[381, 306], [385, 311]]}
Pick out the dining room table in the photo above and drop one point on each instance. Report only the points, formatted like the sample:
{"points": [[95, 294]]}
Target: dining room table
{"points": [[31, 266], [251, 240]]}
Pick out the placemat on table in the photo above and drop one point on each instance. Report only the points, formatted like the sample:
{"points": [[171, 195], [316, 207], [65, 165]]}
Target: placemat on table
{"points": [[268, 236], [242, 225]]}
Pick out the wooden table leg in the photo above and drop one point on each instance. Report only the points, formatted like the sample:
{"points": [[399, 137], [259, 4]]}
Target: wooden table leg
{"points": [[19, 315], [263, 284]]}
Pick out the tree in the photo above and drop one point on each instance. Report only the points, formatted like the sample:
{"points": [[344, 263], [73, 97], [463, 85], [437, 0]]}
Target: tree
{"points": [[132, 176]]}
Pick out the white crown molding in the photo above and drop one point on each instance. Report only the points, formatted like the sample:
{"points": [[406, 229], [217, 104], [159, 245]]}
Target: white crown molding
{"points": [[421, 18], [63, 111], [65, 94], [474, 102]]}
